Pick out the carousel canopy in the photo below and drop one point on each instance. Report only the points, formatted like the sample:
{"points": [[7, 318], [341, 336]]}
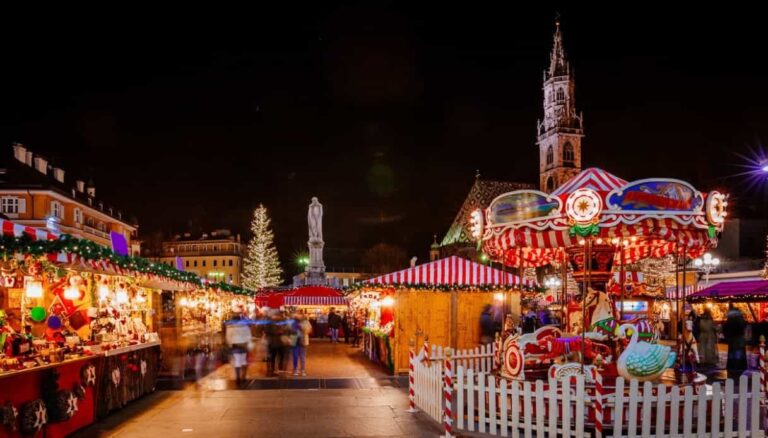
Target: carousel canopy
{"points": [[734, 291], [645, 218], [302, 296], [452, 271]]}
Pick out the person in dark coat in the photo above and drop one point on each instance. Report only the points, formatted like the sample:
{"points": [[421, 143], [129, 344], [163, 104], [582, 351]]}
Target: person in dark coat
{"points": [[345, 326], [334, 322], [733, 330]]}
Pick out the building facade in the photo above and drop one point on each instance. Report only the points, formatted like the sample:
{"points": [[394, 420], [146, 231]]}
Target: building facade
{"points": [[560, 134], [217, 256], [35, 193]]}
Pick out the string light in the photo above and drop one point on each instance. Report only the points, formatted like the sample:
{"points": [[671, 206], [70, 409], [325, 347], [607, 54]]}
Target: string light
{"points": [[104, 292], [71, 293], [121, 296], [34, 289]]}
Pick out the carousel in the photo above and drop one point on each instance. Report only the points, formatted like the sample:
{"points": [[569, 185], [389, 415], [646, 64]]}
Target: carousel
{"points": [[591, 229]]}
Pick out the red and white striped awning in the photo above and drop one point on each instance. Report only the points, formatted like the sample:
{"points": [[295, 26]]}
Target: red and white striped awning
{"points": [[592, 178], [13, 229], [452, 271]]}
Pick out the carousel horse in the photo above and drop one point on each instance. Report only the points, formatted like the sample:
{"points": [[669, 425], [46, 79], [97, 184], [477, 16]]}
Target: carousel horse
{"points": [[603, 322]]}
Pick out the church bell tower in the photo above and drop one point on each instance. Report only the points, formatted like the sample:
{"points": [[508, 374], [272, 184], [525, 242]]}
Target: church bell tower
{"points": [[560, 134]]}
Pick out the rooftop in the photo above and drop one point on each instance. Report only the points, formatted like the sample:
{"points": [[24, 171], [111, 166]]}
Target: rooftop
{"points": [[30, 171]]}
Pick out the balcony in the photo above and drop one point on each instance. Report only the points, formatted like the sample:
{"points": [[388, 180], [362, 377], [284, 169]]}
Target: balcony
{"points": [[95, 232]]}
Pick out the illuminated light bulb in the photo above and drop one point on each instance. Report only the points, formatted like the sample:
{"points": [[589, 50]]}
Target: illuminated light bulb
{"points": [[599, 241], [633, 238], [71, 293], [615, 241], [140, 298], [387, 301], [104, 292], [34, 289], [582, 242], [183, 302], [498, 296], [121, 296]]}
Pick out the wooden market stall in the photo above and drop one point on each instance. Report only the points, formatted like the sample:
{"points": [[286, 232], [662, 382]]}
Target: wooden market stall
{"points": [[78, 329], [751, 297], [315, 301], [441, 300]]}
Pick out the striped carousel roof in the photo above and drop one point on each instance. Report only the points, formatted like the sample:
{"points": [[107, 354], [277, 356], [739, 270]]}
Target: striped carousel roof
{"points": [[592, 178]]}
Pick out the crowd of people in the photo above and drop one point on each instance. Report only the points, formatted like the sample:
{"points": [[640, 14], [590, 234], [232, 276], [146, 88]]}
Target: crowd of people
{"points": [[282, 339]]}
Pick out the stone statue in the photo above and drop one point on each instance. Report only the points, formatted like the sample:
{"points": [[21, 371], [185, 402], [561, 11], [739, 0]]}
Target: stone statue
{"points": [[315, 220]]}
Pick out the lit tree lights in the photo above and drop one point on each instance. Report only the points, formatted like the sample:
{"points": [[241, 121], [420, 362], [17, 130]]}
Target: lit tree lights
{"points": [[261, 267]]}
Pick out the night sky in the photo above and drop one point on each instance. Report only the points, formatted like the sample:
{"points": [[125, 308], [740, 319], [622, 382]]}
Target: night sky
{"points": [[383, 112]]}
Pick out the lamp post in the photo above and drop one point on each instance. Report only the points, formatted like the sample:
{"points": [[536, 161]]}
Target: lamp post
{"points": [[707, 264]]}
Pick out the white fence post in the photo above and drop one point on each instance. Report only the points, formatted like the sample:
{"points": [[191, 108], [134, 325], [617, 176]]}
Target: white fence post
{"points": [[448, 392], [411, 379]]}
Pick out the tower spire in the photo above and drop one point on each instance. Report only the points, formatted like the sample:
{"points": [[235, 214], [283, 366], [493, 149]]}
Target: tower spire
{"points": [[558, 65]]}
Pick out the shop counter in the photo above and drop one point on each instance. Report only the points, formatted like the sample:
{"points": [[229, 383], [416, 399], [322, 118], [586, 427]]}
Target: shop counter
{"points": [[109, 380]]}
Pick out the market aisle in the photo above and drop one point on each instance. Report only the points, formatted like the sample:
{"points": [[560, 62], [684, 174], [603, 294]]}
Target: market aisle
{"points": [[267, 413], [324, 361], [371, 404]]}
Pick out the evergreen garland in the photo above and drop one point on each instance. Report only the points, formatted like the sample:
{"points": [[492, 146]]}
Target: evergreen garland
{"points": [[91, 251]]}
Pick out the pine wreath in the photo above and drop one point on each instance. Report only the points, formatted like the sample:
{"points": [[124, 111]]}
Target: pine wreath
{"points": [[66, 405], [9, 415], [33, 416]]}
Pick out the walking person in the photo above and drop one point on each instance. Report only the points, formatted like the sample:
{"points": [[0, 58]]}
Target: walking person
{"points": [[238, 335], [357, 325], [334, 322], [707, 340], [733, 330], [302, 328], [486, 325], [345, 326]]}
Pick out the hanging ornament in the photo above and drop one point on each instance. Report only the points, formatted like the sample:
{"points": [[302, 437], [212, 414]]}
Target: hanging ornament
{"points": [[33, 416], [88, 375], [37, 314], [54, 322]]}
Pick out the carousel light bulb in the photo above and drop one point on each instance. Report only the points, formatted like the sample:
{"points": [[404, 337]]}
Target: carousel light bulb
{"points": [[121, 296], [633, 239], [34, 289], [582, 242], [498, 296], [615, 241], [71, 293], [104, 292], [599, 241]]}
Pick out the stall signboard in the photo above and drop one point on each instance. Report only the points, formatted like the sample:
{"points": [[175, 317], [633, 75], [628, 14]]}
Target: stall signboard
{"points": [[119, 243], [522, 206], [656, 194]]}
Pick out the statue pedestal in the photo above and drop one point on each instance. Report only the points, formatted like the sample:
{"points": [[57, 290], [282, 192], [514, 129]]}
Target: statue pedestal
{"points": [[316, 265]]}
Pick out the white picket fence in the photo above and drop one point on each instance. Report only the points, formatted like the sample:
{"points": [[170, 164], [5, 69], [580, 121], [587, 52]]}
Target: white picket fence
{"points": [[484, 403], [428, 375]]}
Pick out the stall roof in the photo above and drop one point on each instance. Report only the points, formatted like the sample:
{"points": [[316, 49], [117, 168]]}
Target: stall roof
{"points": [[302, 296], [736, 291], [452, 270]]}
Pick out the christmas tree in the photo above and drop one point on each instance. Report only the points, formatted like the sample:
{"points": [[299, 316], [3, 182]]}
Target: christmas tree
{"points": [[261, 267]]}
